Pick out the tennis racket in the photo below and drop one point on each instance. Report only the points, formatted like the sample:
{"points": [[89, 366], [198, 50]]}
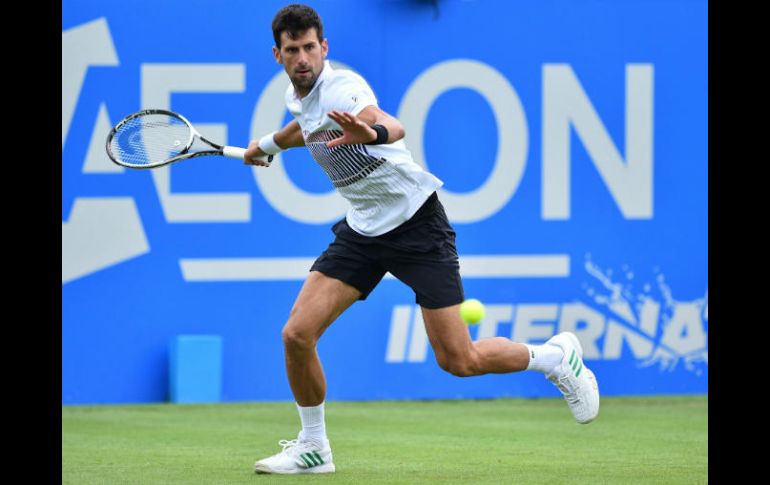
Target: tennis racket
{"points": [[155, 137]]}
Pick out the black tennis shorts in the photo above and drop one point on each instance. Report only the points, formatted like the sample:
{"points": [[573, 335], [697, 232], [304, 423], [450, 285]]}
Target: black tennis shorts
{"points": [[421, 252]]}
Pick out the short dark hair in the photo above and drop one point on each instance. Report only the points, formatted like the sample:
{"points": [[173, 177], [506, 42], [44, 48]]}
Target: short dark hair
{"points": [[295, 19]]}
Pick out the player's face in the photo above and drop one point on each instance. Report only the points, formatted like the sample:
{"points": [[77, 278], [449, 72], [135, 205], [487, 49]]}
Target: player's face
{"points": [[303, 58]]}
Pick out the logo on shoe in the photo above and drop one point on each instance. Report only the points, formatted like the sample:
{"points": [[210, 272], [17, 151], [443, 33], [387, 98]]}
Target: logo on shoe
{"points": [[575, 363], [311, 459]]}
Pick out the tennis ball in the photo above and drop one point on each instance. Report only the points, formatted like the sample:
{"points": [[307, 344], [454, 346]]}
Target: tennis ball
{"points": [[472, 311]]}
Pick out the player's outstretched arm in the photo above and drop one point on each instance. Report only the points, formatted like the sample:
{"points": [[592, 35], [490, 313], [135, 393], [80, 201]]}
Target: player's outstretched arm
{"points": [[358, 129], [289, 136]]}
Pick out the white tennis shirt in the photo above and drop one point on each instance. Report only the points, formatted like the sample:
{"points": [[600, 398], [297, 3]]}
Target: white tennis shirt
{"points": [[382, 183]]}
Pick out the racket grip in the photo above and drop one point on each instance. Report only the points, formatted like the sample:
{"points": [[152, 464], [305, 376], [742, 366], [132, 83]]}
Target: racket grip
{"points": [[238, 152]]}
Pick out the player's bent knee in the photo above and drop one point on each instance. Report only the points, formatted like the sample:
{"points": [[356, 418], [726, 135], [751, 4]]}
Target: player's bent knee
{"points": [[462, 370], [460, 367], [295, 339]]}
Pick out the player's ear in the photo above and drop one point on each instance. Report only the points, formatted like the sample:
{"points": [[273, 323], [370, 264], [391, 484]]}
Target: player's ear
{"points": [[277, 55], [325, 47]]}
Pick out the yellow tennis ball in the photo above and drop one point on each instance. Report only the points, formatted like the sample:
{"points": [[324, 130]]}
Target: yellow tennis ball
{"points": [[472, 311]]}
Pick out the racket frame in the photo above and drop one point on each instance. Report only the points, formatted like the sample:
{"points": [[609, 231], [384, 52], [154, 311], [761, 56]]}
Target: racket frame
{"points": [[232, 152]]}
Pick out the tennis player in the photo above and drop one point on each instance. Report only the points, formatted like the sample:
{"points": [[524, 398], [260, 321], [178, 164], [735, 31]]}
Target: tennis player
{"points": [[395, 224]]}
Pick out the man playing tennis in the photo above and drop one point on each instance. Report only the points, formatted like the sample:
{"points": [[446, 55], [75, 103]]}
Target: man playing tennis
{"points": [[395, 224]]}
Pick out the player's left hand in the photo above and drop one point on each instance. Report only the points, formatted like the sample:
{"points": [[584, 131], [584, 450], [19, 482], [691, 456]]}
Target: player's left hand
{"points": [[354, 130]]}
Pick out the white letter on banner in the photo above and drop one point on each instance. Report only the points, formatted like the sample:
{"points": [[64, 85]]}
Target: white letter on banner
{"points": [[513, 139], [494, 315], [158, 82], [399, 333], [524, 329], [101, 232], [566, 104], [617, 333], [97, 160], [593, 329], [684, 331], [86, 45]]}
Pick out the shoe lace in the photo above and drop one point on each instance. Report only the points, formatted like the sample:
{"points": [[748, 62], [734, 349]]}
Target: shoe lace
{"points": [[566, 387], [293, 446], [288, 445]]}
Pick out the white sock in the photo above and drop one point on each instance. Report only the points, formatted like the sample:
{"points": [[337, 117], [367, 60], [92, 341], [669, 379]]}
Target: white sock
{"points": [[313, 424], [544, 357]]}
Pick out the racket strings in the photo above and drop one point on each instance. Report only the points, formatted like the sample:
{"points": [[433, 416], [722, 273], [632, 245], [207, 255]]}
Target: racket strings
{"points": [[150, 139]]}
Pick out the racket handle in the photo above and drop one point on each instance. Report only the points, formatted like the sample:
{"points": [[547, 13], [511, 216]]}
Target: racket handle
{"points": [[238, 152], [234, 152]]}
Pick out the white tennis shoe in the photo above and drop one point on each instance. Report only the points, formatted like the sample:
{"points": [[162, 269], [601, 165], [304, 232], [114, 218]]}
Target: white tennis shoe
{"points": [[574, 379], [298, 457]]}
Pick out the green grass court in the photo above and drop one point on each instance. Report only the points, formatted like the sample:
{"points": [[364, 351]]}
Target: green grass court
{"points": [[522, 441]]}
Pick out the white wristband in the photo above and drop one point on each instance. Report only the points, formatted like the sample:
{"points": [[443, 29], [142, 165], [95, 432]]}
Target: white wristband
{"points": [[268, 145]]}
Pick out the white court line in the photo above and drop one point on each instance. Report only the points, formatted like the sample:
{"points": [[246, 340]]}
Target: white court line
{"points": [[291, 269]]}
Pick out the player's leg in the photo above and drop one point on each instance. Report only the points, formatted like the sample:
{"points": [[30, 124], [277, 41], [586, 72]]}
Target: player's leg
{"points": [[320, 301], [343, 274], [560, 358], [422, 254], [456, 353]]}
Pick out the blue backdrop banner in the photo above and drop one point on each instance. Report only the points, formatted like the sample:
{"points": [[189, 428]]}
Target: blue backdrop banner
{"points": [[571, 136]]}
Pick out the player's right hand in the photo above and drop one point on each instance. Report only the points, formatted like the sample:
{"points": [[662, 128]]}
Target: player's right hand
{"points": [[255, 156]]}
